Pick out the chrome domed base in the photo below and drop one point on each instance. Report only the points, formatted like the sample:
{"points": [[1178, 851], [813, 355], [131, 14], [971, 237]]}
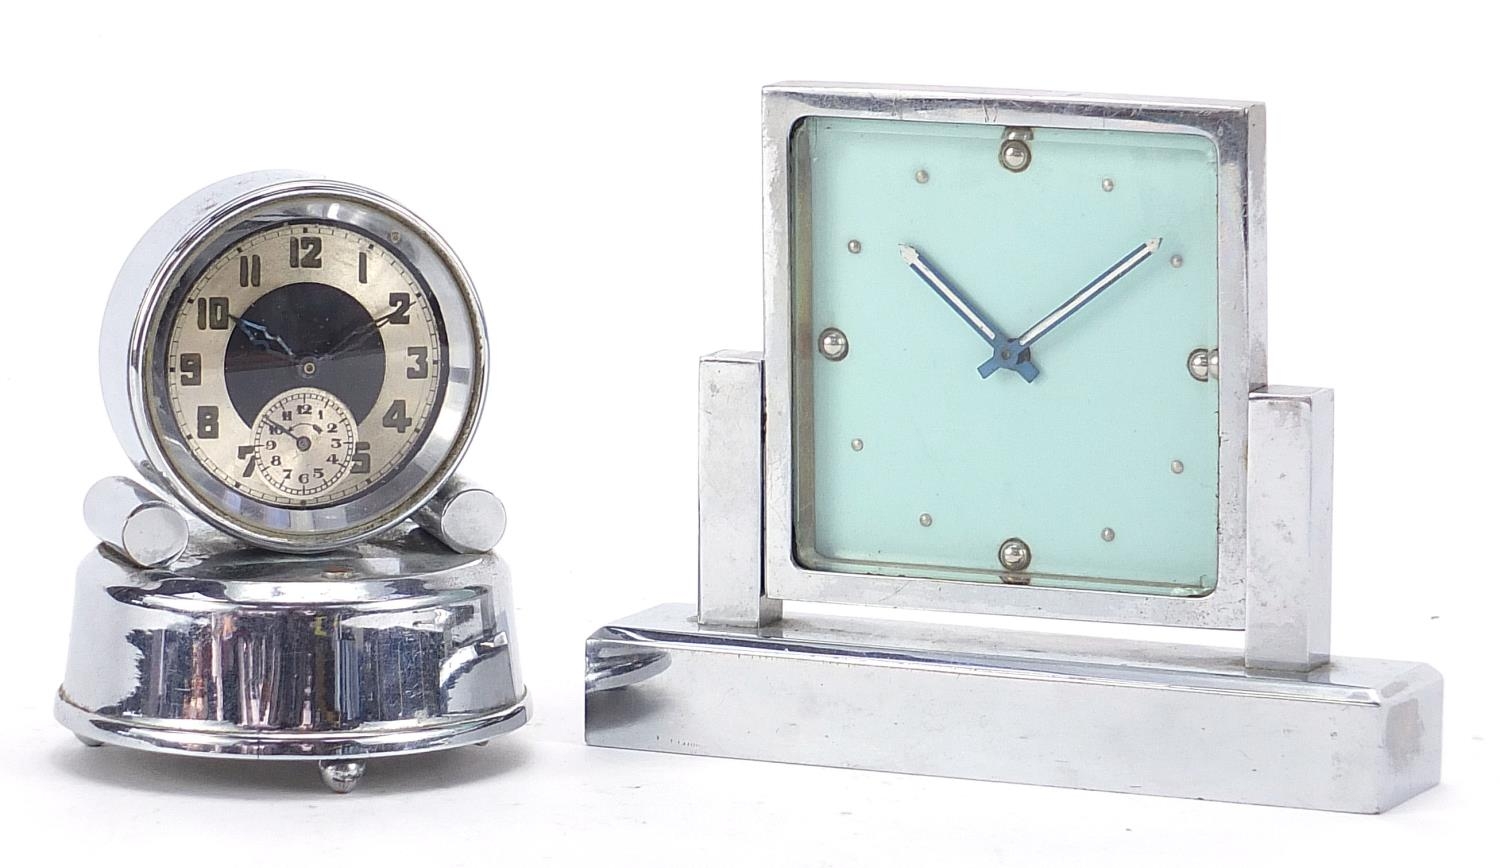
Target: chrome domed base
{"points": [[396, 646]]}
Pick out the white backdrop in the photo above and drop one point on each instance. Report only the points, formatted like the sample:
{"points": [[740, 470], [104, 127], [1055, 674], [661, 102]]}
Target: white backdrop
{"points": [[598, 168]]}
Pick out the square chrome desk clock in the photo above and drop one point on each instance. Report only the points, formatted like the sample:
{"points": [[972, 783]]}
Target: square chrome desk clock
{"points": [[1015, 364]]}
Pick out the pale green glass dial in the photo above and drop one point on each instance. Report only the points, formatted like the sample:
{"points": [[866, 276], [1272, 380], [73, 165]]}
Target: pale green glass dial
{"points": [[1101, 455]]}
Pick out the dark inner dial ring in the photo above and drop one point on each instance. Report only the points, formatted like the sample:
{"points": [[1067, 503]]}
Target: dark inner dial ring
{"points": [[301, 335]]}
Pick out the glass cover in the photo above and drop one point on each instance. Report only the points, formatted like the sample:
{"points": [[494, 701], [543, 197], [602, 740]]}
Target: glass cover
{"points": [[992, 343]]}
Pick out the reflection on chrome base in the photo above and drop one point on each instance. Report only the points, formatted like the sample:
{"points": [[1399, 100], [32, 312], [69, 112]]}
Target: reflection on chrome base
{"points": [[1355, 735], [395, 646]]}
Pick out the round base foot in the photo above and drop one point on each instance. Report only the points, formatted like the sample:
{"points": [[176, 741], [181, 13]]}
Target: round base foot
{"points": [[88, 742], [341, 776]]}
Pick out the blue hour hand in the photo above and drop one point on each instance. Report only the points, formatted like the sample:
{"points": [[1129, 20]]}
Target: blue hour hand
{"points": [[261, 337], [1011, 357], [1006, 354]]}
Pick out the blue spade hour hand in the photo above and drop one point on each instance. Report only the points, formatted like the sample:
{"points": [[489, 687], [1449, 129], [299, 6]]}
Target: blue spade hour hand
{"points": [[1006, 354], [261, 337]]}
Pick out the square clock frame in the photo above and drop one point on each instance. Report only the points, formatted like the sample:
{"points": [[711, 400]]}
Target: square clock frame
{"points": [[1136, 469]]}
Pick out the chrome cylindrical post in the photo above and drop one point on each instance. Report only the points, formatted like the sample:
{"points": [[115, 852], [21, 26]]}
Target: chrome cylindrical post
{"points": [[135, 522], [465, 517]]}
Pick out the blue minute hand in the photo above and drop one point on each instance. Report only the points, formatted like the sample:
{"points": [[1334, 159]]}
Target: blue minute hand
{"points": [[971, 315], [1022, 344]]}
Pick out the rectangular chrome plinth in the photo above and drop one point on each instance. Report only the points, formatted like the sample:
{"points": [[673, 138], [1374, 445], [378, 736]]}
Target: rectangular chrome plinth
{"points": [[1356, 735]]}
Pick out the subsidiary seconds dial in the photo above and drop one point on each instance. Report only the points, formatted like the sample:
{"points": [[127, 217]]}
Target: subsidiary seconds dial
{"points": [[305, 364], [304, 443]]}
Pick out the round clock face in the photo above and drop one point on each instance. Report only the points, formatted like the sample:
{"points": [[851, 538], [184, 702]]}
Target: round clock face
{"points": [[315, 332], [307, 364], [1004, 364]]}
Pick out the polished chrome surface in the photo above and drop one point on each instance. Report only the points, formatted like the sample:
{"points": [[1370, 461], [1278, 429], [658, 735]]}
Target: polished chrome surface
{"points": [[1236, 128], [1357, 735], [341, 776], [1290, 604], [134, 522], [131, 337], [394, 646], [731, 582], [469, 519]]}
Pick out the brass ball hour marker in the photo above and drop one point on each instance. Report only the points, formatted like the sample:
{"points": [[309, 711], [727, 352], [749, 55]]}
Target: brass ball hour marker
{"points": [[1176, 260], [857, 444], [1177, 466], [925, 519], [922, 176], [1108, 534], [855, 246], [1108, 184]]}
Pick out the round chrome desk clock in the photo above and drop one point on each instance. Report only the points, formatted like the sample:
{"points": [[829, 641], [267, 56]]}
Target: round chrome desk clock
{"points": [[301, 363]]}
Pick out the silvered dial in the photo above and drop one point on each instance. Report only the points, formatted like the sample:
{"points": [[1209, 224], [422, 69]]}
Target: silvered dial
{"points": [[304, 443], [319, 322]]}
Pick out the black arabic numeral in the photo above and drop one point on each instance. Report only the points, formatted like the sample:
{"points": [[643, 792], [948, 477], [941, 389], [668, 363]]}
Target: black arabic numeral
{"points": [[250, 270], [402, 303], [305, 251], [419, 368], [213, 313], [208, 422], [396, 416], [361, 462], [191, 366], [244, 453]]}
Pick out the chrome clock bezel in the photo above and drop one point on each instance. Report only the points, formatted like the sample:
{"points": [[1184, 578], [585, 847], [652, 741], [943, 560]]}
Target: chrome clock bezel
{"points": [[1237, 130], [204, 223]]}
